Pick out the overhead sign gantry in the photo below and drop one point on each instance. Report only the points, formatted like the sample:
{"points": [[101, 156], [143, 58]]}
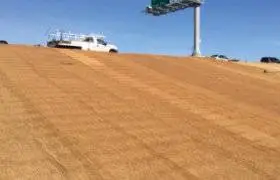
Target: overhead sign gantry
{"points": [[162, 7]]}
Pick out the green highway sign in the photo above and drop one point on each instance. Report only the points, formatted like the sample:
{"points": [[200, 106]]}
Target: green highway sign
{"points": [[161, 7], [159, 3], [156, 3]]}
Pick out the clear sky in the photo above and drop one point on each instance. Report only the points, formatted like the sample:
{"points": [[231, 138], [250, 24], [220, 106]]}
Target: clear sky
{"points": [[246, 29]]}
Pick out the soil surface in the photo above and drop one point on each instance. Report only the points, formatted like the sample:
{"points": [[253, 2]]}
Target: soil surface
{"points": [[79, 115]]}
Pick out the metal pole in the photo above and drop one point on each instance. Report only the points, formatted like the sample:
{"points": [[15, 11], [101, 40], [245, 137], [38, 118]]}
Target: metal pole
{"points": [[196, 50]]}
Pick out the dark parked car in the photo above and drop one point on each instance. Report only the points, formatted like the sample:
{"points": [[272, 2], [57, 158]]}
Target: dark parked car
{"points": [[270, 60], [3, 42]]}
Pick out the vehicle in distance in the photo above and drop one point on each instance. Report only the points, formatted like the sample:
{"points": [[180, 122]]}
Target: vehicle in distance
{"points": [[270, 60], [91, 42], [220, 57], [223, 57], [3, 42]]}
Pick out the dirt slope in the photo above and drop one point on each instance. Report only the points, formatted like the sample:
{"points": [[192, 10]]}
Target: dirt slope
{"points": [[78, 115], [271, 68]]}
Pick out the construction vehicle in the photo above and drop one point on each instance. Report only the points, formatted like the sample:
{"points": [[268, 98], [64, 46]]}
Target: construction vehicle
{"points": [[91, 42]]}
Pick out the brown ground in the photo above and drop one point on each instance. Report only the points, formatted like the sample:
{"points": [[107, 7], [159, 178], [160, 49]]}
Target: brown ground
{"points": [[77, 115], [271, 68]]}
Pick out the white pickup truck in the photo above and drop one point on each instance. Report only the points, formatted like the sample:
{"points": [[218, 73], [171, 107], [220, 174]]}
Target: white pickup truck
{"points": [[78, 41]]}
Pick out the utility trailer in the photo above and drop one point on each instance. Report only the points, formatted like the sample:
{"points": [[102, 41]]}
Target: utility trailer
{"points": [[91, 42]]}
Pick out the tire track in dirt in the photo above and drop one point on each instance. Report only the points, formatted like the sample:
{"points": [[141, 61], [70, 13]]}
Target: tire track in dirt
{"points": [[153, 135], [212, 111], [171, 164], [269, 117], [125, 130], [125, 79], [240, 129], [208, 76], [48, 138]]}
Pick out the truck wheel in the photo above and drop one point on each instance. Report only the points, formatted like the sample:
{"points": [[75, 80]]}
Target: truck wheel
{"points": [[113, 51], [52, 44], [3, 42]]}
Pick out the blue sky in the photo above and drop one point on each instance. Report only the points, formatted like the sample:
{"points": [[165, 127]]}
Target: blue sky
{"points": [[246, 29]]}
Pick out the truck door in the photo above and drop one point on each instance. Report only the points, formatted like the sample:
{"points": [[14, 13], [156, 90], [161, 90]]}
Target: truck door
{"points": [[91, 44], [102, 45]]}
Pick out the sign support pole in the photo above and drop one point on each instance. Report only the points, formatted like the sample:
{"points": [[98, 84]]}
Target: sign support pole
{"points": [[196, 50]]}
